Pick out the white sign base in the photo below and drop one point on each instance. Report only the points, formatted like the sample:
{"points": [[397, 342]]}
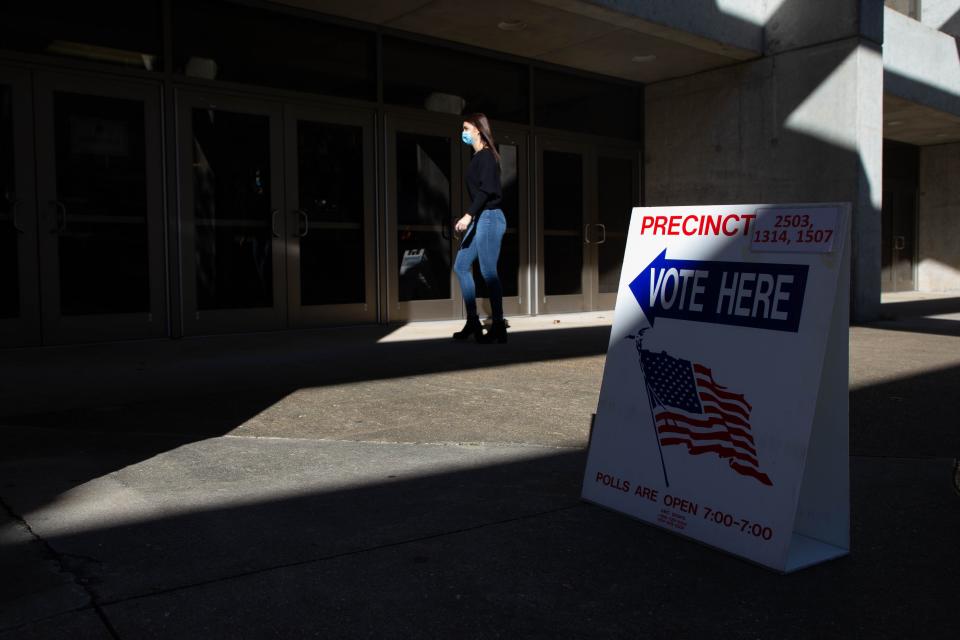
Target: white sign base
{"points": [[723, 413]]}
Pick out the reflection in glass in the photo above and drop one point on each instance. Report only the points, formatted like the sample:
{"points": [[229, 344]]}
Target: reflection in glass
{"points": [[508, 267], [424, 245], [330, 191], [232, 213], [101, 188], [229, 41], [9, 253], [562, 222], [615, 176], [106, 31], [425, 76], [576, 103]]}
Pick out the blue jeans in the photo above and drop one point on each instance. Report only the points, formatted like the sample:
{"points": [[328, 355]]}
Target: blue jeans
{"points": [[482, 240]]}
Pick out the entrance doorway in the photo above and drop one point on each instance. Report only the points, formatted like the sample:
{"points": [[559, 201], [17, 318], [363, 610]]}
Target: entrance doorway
{"points": [[278, 214], [901, 163], [424, 177], [585, 195], [84, 255]]}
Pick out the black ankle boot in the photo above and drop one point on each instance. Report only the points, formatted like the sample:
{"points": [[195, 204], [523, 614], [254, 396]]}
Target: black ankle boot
{"points": [[471, 328], [497, 332]]}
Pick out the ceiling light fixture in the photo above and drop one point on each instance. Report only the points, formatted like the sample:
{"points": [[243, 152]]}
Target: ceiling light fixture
{"points": [[649, 57], [512, 25]]}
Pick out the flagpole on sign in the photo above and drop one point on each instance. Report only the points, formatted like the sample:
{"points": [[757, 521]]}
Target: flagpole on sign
{"points": [[650, 397]]}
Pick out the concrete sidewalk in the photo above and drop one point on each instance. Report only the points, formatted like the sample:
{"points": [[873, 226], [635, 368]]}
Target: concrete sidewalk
{"points": [[387, 482]]}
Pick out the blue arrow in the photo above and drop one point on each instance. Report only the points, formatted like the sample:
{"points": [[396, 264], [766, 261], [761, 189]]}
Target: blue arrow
{"points": [[746, 294]]}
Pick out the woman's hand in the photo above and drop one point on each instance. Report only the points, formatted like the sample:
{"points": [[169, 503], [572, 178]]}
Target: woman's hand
{"points": [[463, 223]]}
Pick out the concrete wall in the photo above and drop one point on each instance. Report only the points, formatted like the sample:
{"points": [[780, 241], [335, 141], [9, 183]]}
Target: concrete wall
{"points": [[767, 26], [791, 24], [939, 219], [801, 126], [943, 15], [906, 7], [920, 64]]}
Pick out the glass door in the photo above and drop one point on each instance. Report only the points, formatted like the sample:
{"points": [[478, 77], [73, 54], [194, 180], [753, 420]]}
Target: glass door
{"points": [[330, 175], [586, 193], [101, 227], [19, 285], [618, 191], [233, 228], [423, 196], [513, 266], [564, 282]]}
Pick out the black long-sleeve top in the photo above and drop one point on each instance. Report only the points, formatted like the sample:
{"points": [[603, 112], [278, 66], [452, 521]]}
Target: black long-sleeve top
{"points": [[483, 182]]}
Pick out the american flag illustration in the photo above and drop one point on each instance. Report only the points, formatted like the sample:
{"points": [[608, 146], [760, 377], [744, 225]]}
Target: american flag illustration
{"points": [[691, 409]]}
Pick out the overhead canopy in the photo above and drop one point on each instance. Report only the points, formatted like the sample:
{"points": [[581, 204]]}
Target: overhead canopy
{"points": [[572, 33]]}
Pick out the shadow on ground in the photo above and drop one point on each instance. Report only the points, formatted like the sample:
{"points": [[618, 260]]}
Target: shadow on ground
{"points": [[397, 546], [504, 550], [200, 389]]}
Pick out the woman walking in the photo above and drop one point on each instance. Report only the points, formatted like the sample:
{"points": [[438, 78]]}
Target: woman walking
{"points": [[482, 226]]}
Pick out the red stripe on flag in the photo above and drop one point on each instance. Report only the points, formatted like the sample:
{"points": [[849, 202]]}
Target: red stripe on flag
{"points": [[713, 435], [728, 417], [708, 423], [721, 450], [727, 406], [750, 471], [719, 389]]}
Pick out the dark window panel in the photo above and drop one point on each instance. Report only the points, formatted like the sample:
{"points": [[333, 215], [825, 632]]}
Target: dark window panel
{"points": [[111, 31], [562, 222], [444, 80], [231, 184], [587, 105], [423, 216], [224, 41], [101, 182], [615, 191], [9, 238], [330, 181]]}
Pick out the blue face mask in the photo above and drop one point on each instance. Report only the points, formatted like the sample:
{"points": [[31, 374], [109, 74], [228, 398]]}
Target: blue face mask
{"points": [[466, 137]]}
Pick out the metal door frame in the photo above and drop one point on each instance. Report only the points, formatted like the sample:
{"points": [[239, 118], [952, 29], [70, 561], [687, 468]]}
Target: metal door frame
{"points": [[60, 329], [25, 329], [315, 315], [412, 310], [607, 301], [197, 321], [567, 303]]}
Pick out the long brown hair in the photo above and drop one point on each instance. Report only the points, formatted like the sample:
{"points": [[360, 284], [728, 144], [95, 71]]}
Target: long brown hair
{"points": [[480, 121]]}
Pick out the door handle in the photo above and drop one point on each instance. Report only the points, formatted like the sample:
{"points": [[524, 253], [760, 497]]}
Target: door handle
{"points": [[14, 208], [899, 243], [306, 223], [61, 217], [586, 234], [445, 231], [603, 228], [273, 223]]}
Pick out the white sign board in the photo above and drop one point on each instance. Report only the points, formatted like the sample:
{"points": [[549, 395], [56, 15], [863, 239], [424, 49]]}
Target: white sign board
{"points": [[723, 413]]}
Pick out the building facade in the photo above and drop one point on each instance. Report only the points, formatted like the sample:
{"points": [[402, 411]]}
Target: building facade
{"points": [[174, 168]]}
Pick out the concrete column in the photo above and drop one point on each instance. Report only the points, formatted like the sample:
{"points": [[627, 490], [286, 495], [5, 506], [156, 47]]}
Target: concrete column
{"points": [[939, 219], [800, 126]]}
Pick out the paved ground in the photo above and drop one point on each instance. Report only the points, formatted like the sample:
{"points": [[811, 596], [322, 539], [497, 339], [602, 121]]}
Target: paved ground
{"points": [[385, 482]]}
